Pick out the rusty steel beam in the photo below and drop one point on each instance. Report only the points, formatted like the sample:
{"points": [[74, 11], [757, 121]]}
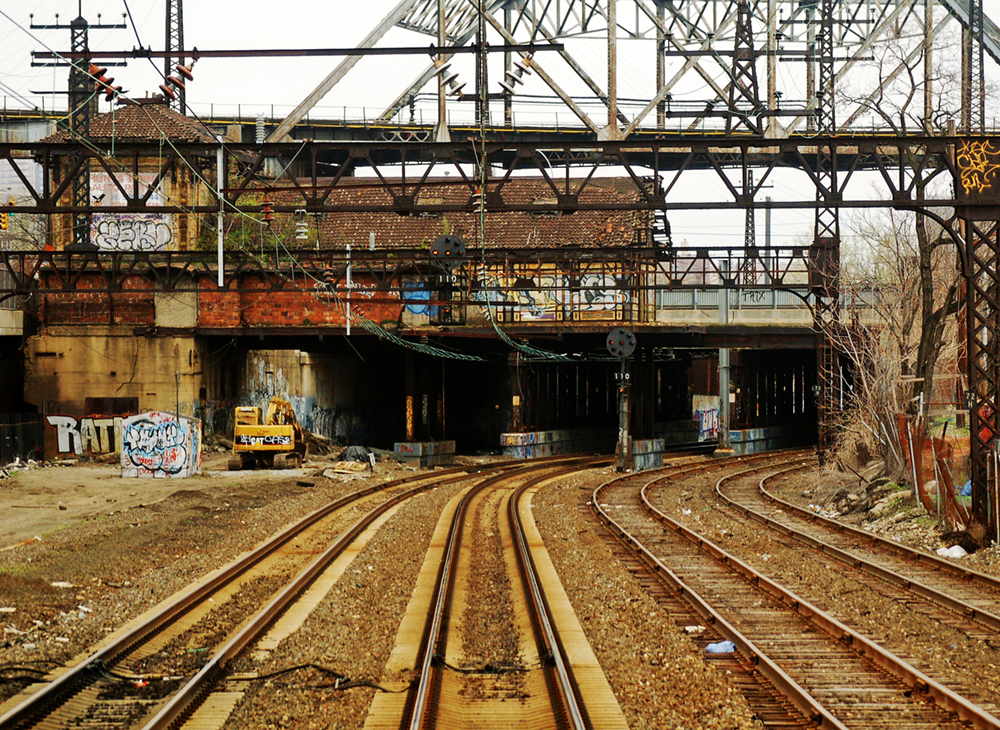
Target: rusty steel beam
{"points": [[406, 174]]}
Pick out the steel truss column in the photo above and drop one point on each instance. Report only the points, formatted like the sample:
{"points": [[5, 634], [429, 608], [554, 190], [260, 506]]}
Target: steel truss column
{"points": [[983, 343], [743, 87], [973, 91], [82, 105], [749, 269], [825, 254], [175, 42]]}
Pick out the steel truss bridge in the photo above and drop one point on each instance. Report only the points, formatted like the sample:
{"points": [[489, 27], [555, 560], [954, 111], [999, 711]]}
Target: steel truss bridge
{"points": [[704, 108]]}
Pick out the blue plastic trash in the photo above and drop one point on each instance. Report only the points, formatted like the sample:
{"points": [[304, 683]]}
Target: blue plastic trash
{"points": [[967, 489], [723, 647]]}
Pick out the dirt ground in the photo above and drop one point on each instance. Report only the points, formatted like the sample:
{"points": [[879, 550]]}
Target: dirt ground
{"points": [[41, 499]]}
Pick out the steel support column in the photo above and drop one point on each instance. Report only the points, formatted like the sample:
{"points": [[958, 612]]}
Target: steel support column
{"points": [[825, 255], [82, 103], [982, 329], [175, 44]]}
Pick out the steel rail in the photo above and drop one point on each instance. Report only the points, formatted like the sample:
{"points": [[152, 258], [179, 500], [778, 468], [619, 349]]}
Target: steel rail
{"points": [[966, 574], [190, 695], [51, 696], [798, 696], [541, 615], [892, 664], [951, 603], [421, 702]]}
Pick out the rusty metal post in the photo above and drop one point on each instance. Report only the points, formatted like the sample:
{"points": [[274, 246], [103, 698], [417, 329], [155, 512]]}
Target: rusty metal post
{"points": [[624, 462], [661, 47], [410, 388], [725, 446], [612, 131], [441, 133]]}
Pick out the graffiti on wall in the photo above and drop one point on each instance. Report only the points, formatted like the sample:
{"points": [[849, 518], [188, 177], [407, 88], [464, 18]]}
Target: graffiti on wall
{"points": [[706, 413], [550, 297], [417, 296], [80, 436], [708, 423], [128, 231], [158, 444]]}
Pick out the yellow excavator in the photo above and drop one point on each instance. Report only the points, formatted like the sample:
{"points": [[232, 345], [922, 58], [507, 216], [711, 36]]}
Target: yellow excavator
{"points": [[275, 442]]}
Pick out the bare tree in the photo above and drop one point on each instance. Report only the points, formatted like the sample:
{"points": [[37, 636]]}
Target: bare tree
{"points": [[902, 264]]}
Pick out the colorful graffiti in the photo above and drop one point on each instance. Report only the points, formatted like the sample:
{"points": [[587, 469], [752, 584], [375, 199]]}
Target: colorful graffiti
{"points": [[82, 436], [158, 444], [550, 297], [708, 423], [417, 296]]}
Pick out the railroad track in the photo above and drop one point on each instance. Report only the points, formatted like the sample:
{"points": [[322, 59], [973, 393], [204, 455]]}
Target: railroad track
{"points": [[798, 665], [553, 679], [950, 596], [111, 686], [970, 595]]}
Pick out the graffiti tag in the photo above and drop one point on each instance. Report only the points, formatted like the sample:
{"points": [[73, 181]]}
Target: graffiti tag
{"points": [[160, 445], [86, 435], [131, 233]]}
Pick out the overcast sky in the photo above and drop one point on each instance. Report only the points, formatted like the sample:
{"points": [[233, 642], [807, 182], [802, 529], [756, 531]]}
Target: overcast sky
{"points": [[254, 84]]}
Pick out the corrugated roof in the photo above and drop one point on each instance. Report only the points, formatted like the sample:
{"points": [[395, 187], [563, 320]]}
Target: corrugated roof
{"points": [[141, 123]]}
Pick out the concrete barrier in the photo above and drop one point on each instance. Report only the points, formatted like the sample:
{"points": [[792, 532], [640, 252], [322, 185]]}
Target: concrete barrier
{"points": [[426, 453], [647, 454], [770, 438], [535, 444]]}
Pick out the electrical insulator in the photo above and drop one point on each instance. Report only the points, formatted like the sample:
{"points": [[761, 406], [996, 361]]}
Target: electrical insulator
{"points": [[513, 76], [301, 225], [106, 83], [447, 77], [168, 92], [259, 133], [267, 210], [185, 71]]}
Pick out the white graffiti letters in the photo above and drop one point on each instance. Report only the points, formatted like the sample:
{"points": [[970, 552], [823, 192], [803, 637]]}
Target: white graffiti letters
{"points": [[245, 439], [131, 233], [86, 435]]}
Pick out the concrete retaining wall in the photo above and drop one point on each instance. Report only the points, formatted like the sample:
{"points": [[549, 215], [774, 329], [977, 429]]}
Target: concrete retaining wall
{"points": [[673, 433]]}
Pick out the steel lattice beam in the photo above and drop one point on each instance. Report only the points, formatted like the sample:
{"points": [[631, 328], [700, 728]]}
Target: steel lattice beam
{"points": [[407, 174]]}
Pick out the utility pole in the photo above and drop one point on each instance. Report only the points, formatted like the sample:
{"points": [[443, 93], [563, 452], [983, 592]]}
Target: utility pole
{"points": [[725, 447], [82, 106]]}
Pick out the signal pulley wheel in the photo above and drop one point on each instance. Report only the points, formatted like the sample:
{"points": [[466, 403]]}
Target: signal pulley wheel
{"points": [[621, 342], [448, 251]]}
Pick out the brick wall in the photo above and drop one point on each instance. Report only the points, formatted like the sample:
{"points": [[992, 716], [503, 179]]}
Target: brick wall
{"points": [[291, 306], [89, 305]]}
